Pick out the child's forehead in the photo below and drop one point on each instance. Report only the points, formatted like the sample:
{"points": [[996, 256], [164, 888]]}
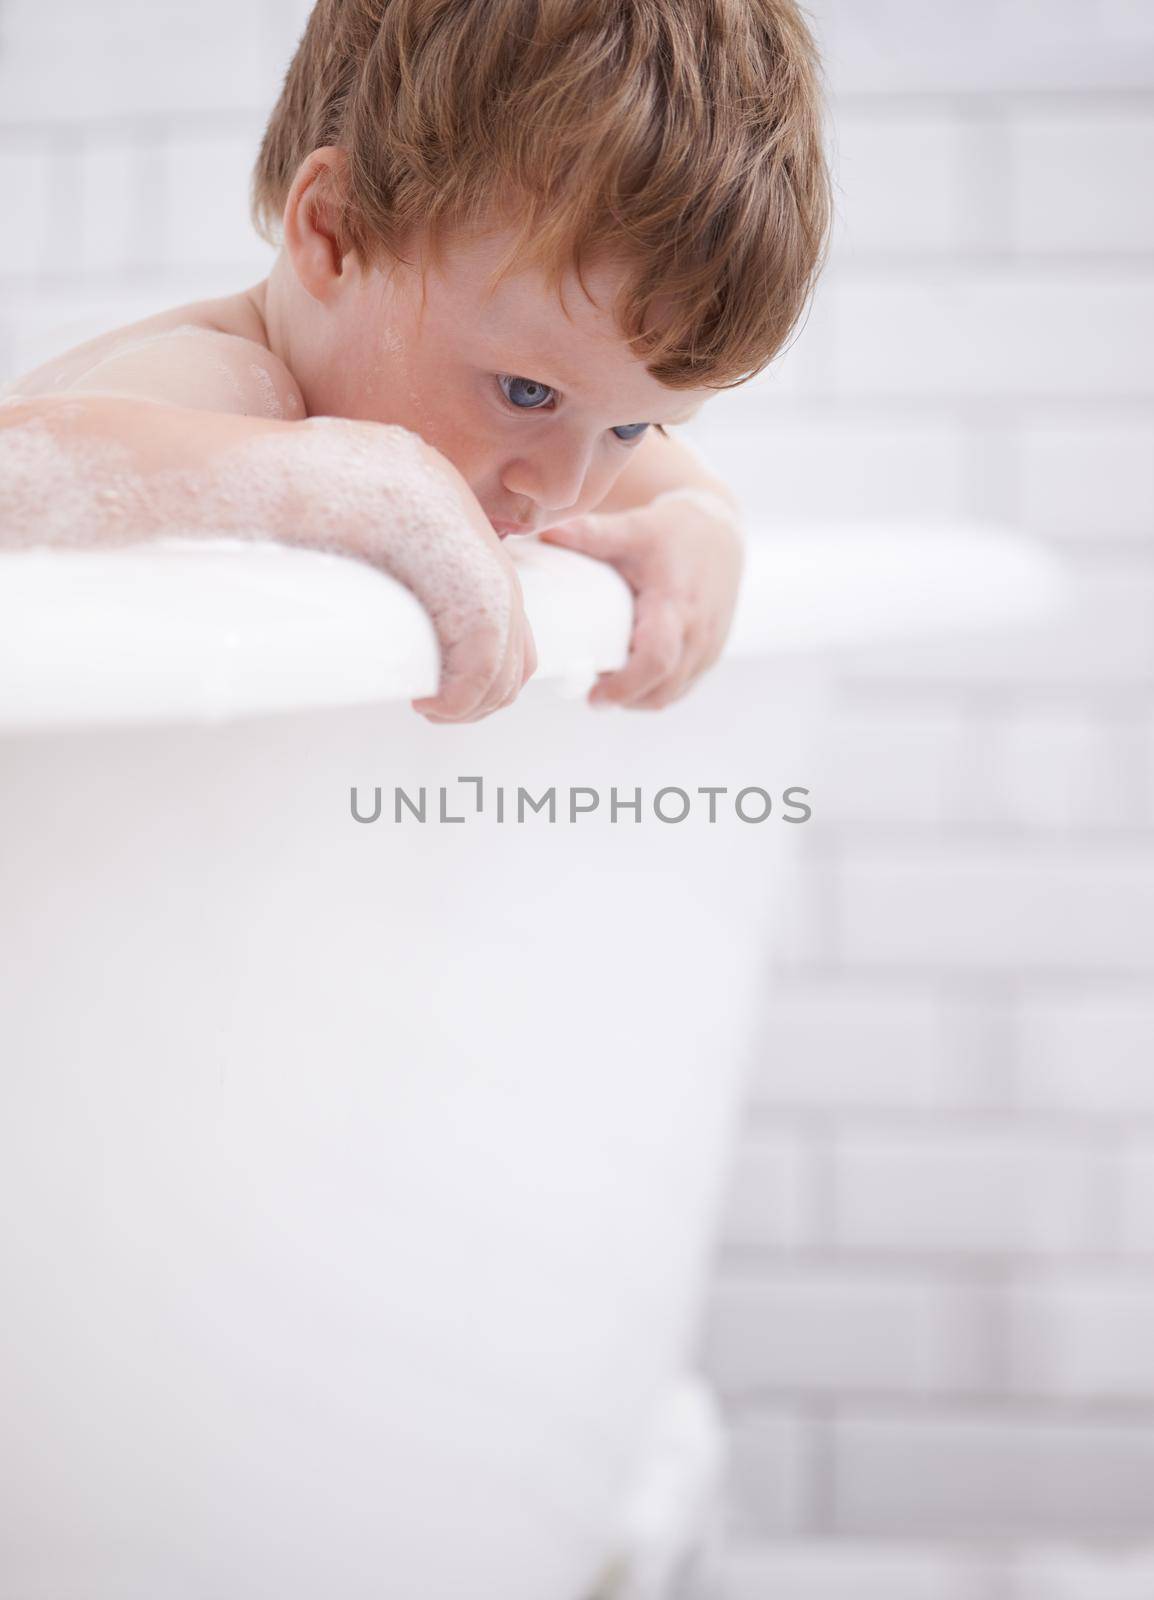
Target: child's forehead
{"points": [[560, 329]]}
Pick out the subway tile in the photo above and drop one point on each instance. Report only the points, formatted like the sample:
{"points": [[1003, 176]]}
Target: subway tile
{"points": [[1063, 767], [992, 1476], [1083, 1337], [846, 1569], [769, 1472], [206, 206], [1137, 1183], [992, 1192], [1086, 1051], [284, 23], [831, 1043], [899, 182], [1068, 1573], [1076, 178], [981, 46], [835, 1330], [780, 466], [976, 907], [69, 63], [767, 1202], [26, 176], [991, 333], [1100, 632], [903, 764], [114, 230], [1088, 479]]}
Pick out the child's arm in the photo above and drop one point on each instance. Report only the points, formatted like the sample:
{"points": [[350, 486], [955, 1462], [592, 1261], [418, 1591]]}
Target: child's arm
{"points": [[659, 465], [91, 469]]}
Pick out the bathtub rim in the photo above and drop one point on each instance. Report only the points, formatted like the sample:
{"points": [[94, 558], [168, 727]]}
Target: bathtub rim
{"points": [[206, 631]]}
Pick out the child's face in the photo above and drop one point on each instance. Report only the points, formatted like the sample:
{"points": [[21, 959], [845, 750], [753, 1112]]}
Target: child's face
{"points": [[540, 407]]}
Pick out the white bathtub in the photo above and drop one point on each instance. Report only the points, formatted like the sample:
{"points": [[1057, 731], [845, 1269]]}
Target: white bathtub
{"points": [[358, 1179]]}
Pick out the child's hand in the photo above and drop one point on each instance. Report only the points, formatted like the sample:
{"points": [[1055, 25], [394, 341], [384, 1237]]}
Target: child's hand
{"points": [[682, 556], [484, 665], [487, 648], [414, 515]]}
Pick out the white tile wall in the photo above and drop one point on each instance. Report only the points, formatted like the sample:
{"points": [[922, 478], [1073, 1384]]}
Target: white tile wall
{"points": [[979, 47], [981, 926], [206, 203], [993, 907], [1088, 477], [907, 765], [1065, 767], [1137, 1208], [851, 1570], [821, 467], [110, 227], [1089, 1051], [991, 1475], [934, 1295], [1104, 641], [822, 1330], [1087, 1336], [1000, 1191], [76, 63], [771, 1468], [1077, 181], [769, 1200], [25, 175], [977, 332], [1071, 1574], [849, 1042], [880, 162]]}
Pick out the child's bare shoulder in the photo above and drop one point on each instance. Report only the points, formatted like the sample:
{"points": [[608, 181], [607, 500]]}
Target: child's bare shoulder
{"points": [[209, 355]]}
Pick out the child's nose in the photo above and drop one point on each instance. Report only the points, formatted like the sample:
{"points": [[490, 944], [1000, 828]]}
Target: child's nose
{"points": [[553, 477]]}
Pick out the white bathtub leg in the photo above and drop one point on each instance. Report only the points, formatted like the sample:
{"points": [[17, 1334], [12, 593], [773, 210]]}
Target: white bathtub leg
{"points": [[673, 1527]]}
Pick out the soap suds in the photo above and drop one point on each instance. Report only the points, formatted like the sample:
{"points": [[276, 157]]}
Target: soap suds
{"points": [[381, 500], [362, 489], [270, 403]]}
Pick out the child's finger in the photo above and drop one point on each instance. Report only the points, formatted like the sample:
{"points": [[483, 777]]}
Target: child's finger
{"points": [[530, 654], [505, 683], [665, 693], [697, 656], [513, 675], [606, 536], [467, 671], [654, 652]]}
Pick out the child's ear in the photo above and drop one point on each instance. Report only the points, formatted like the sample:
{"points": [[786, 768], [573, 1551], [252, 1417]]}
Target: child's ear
{"points": [[310, 220]]}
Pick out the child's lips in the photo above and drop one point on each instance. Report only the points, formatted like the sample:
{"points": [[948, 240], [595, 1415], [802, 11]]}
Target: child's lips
{"points": [[503, 529]]}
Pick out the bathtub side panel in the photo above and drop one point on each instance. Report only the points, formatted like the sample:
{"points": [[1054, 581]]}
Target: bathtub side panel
{"points": [[358, 1179]]}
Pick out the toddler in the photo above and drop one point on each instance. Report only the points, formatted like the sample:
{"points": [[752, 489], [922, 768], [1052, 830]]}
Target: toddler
{"points": [[518, 241]]}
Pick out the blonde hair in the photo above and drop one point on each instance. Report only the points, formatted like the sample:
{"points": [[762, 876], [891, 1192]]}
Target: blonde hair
{"points": [[683, 137]]}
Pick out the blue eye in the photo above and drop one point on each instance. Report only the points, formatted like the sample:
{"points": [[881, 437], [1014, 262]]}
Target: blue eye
{"points": [[536, 392]]}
